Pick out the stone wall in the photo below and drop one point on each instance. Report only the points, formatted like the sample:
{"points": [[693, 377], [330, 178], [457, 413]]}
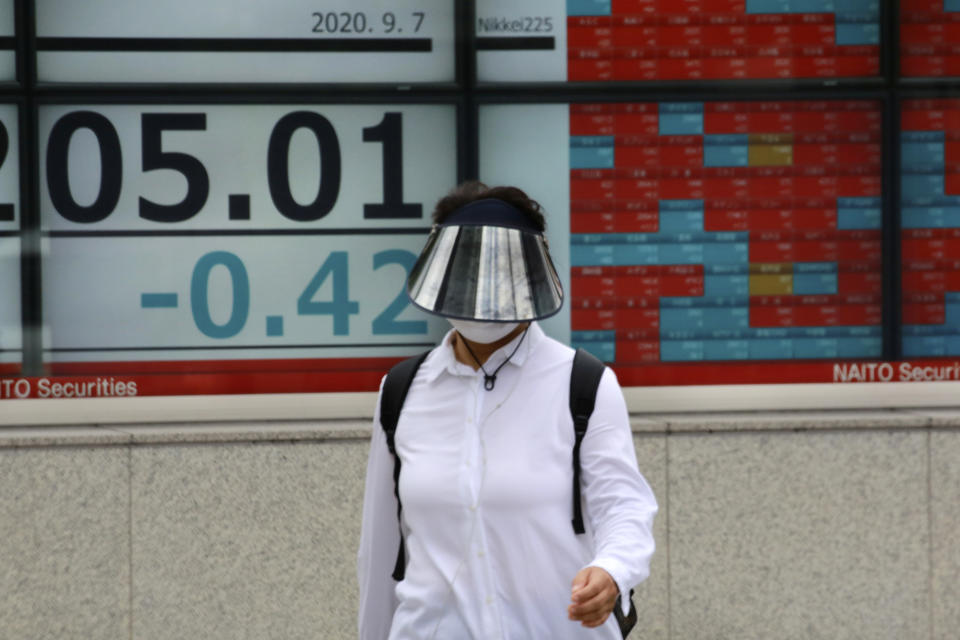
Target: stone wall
{"points": [[772, 525]]}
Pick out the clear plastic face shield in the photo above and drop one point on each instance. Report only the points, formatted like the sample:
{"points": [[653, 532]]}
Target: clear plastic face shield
{"points": [[487, 262]]}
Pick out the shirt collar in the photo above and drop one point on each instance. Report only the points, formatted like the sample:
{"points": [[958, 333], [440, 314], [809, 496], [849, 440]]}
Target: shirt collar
{"points": [[442, 359]]}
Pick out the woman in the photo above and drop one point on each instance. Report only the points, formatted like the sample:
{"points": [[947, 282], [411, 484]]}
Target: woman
{"points": [[485, 441]]}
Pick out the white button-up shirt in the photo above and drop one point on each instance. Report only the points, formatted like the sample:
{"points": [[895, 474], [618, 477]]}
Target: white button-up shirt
{"points": [[486, 486]]}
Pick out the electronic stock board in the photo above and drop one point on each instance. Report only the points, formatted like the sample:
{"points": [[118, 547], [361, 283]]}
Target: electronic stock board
{"points": [[193, 242]]}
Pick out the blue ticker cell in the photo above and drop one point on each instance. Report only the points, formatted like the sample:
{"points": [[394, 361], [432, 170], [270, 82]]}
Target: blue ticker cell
{"points": [[851, 219], [591, 255], [924, 346], [726, 156], [588, 7], [951, 313], [815, 267], [951, 297], [860, 202], [680, 124], [681, 350], [771, 349], [704, 302], [592, 141], [791, 6], [921, 154], [158, 301], [769, 333], [593, 336], [729, 319], [591, 157], [930, 217], [684, 253], [950, 6], [683, 319], [923, 136], [726, 253], [931, 200], [680, 107], [953, 345], [681, 302], [723, 285], [606, 351], [681, 221], [726, 269], [628, 254], [705, 334], [847, 33], [919, 186], [816, 347], [860, 347], [705, 322], [812, 284], [918, 330], [680, 205], [726, 349]]}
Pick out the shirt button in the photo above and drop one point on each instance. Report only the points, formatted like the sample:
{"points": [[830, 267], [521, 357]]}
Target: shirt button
{"points": [[489, 600], [480, 554]]}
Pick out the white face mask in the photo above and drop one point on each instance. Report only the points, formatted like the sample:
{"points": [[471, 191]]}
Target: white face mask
{"points": [[483, 332]]}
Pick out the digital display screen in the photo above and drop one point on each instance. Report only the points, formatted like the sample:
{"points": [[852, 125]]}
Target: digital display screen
{"points": [[930, 38], [652, 40], [374, 41], [930, 226], [8, 44], [744, 233], [174, 244], [11, 336]]}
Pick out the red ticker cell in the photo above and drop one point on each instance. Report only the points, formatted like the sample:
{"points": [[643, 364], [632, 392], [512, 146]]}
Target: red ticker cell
{"points": [[726, 220], [771, 316], [589, 70], [951, 148], [920, 8], [637, 221], [639, 155], [637, 124], [924, 281], [593, 319], [593, 189], [591, 124], [923, 34], [637, 351], [640, 7], [589, 37], [592, 223], [924, 313], [681, 155], [725, 35], [854, 282], [586, 286], [638, 318], [952, 184]]}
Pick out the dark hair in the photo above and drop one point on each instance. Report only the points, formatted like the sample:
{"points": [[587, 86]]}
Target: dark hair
{"points": [[473, 190]]}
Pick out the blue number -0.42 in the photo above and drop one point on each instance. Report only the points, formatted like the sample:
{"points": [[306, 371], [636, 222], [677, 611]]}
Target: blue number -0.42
{"points": [[340, 306]]}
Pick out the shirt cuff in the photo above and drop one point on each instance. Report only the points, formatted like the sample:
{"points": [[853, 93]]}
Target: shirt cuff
{"points": [[615, 569]]}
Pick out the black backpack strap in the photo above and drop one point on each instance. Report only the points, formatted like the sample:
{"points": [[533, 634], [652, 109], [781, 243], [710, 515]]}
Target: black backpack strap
{"points": [[394, 393], [584, 381]]}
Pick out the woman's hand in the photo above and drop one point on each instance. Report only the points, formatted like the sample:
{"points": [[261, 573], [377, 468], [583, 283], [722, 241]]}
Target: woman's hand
{"points": [[592, 597]]}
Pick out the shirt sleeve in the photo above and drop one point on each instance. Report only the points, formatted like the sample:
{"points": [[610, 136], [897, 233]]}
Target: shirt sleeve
{"points": [[619, 504], [379, 540]]}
